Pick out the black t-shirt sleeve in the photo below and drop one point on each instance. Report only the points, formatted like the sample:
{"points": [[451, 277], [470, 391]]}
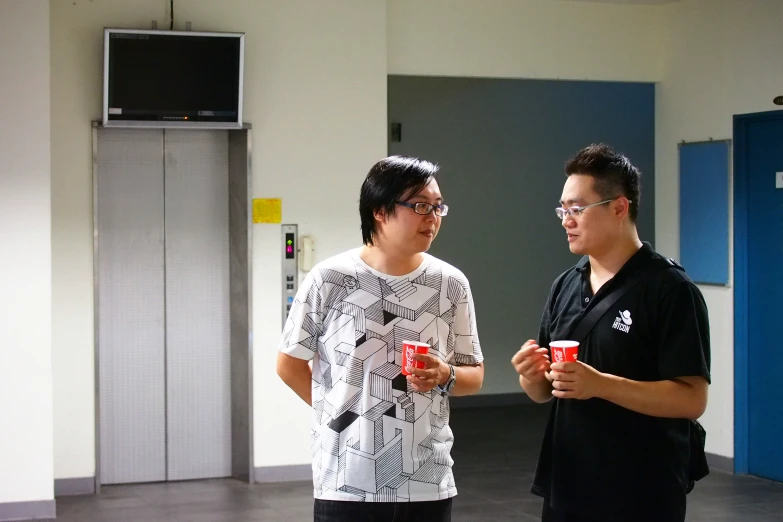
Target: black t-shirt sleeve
{"points": [[546, 319], [684, 334]]}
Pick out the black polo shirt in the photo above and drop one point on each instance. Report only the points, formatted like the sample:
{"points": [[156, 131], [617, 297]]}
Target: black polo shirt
{"points": [[600, 460]]}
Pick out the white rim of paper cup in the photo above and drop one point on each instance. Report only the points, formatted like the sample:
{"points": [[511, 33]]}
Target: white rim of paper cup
{"points": [[564, 344], [416, 343]]}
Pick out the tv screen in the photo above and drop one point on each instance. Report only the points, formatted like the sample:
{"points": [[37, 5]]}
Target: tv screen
{"points": [[172, 79]]}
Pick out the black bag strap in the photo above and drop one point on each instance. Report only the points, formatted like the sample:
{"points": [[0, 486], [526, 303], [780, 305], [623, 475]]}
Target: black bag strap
{"points": [[587, 323]]}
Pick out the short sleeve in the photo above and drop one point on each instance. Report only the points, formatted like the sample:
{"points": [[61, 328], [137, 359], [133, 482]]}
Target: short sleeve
{"points": [[467, 348], [684, 338], [546, 320], [305, 320]]}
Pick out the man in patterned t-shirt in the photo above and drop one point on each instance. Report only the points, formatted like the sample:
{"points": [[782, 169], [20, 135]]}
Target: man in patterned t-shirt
{"points": [[381, 441]]}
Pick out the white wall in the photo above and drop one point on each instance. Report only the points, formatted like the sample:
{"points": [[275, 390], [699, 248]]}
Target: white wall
{"points": [[319, 114], [315, 92], [316, 95], [25, 256], [525, 39], [724, 59]]}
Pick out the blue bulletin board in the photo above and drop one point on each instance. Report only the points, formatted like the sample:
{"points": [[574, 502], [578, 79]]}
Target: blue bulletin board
{"points": [[704, 210]]}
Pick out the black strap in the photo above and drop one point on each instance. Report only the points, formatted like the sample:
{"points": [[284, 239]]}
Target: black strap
{"points": [[587, 323]]}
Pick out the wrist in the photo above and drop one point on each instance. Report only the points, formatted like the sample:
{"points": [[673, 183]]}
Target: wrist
{"points": [[607, 386], [444, 372], [538, 391], [538, 380]]}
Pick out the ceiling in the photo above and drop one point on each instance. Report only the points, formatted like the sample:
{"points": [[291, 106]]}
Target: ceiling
{"points": [[628, 2]]}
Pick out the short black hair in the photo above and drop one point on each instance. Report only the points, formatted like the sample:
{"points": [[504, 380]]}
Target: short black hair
{"points": [[613, 173], [391, 180]]}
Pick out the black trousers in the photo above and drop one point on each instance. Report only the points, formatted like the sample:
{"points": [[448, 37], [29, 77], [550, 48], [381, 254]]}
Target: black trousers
{"points": [[342, 511], [555, 515]]}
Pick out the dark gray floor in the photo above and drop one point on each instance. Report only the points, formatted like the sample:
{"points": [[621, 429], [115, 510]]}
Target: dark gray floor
{"points": [[495, 454]]}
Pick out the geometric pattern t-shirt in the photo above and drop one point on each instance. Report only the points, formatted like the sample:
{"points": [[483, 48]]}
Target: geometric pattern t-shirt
{"points": [[375, 439]]}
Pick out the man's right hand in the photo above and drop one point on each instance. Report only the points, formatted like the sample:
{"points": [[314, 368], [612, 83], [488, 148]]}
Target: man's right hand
{"points": [[532, 362]]}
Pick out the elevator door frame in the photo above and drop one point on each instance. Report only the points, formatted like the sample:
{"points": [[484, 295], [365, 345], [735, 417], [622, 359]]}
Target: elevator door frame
{"points": [[241, 303]]}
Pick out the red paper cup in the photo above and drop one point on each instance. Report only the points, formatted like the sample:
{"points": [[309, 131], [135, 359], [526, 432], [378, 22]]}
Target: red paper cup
{"points": [[408, 349], [564, 351]]}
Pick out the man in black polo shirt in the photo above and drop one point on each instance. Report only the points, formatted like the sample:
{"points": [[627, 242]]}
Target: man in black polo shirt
{"points": [[616, 447]]}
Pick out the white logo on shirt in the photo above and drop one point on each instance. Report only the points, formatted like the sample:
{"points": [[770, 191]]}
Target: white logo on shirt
{"points": [[623, 322]]}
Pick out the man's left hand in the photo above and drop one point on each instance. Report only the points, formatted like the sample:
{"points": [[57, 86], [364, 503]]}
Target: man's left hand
{"points": [[576, 380], [434, 372]]}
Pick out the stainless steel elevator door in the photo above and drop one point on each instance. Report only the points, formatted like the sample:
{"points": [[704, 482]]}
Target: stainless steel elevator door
{"points": [[163, 312], [130, 305], [197, 305]]}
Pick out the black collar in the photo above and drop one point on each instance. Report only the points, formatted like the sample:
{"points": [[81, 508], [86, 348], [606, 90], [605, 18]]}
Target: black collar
{"points": [[635, 264]]}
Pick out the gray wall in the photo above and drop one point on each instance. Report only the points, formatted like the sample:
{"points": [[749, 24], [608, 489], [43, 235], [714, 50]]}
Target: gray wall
{"points": [[501, 145]]}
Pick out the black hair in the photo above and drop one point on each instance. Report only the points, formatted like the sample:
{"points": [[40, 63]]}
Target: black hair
{"points": [[613, 173], [392, 179]]}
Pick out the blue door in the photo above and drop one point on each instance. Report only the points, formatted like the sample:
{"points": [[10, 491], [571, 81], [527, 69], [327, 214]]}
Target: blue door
{"points": [[763, 154]]}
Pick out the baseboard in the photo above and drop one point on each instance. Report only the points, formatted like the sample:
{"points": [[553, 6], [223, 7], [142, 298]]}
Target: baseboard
{"points": [[28, 510], [295, 473], [74, 486], [490, 400], [720, 463]]}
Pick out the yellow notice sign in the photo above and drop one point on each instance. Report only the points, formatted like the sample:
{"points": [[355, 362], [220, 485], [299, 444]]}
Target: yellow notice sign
{"points": [[267, 210]]}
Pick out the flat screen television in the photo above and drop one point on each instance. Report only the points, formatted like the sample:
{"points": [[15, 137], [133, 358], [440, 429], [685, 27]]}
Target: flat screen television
{"points": [[154, 78]]}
